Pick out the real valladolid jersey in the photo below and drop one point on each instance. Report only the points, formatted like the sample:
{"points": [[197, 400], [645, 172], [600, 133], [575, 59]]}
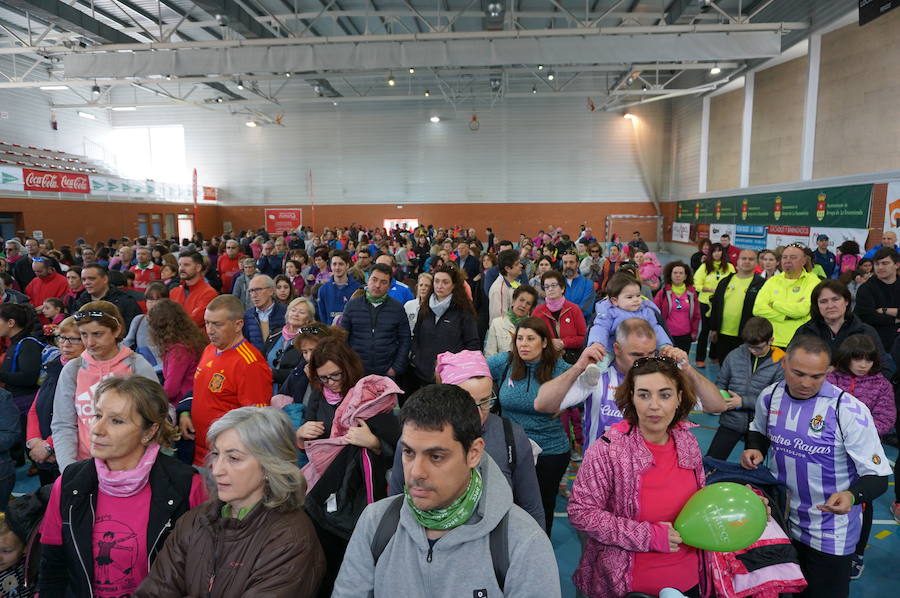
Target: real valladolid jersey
{"points": [[820, 446]]}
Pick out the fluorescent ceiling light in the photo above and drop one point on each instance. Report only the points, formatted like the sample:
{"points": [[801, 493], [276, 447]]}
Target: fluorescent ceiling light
{"points": [[87, 115], [250, 123], [54, 87], [435, 119], [124, 108]]}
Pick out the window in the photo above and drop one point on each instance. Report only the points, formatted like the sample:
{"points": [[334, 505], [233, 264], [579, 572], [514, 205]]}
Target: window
{"points": [[151, 153]]}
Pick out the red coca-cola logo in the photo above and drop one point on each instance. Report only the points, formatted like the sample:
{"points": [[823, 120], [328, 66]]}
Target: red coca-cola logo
{"points": [[56, 182]]}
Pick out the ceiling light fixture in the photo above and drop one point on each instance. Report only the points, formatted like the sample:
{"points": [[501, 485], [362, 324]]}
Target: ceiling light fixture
{"points": [[534, 89], [168, 77], [240, 84], [715, 70], [494, 9], [288, 75], [412, 70], [435, 119], [219, 100], [551, 76], [540, 67], [95, 90], [250, 123], [427, 93], [124, 108], [87, 115], [391, 81], [334, 103], [54, 87], [629, 116]]}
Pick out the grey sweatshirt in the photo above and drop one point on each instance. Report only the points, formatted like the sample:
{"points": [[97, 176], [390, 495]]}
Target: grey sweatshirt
{"points": [[524, 484], [461, 562], [65, 419]]}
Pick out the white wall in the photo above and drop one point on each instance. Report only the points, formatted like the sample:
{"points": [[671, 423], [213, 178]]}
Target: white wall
{"points": [[685, 170], [531, 150]]}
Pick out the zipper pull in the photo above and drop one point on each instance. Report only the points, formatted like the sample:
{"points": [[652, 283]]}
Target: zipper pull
{"points": [[212, 579], [428, 558]]}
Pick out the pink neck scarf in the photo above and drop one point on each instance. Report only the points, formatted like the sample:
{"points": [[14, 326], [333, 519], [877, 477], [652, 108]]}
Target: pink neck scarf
{"points": [[288, 336], [129, 482], [556, 304], [332, 397]]}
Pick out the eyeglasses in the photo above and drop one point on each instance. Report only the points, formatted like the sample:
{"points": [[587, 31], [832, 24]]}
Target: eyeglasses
{"points": [[88, 315], [68, 340], [260, 290], [759, 348], [335, 377], [642, 361], [487, 403], [551, 285], [678, 303]]}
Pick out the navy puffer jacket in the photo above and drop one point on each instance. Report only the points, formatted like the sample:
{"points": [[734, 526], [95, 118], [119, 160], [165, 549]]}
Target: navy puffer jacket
{"points": [[380, 335]]}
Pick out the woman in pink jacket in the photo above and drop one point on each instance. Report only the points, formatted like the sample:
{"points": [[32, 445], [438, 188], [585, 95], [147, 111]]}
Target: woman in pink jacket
{"points": [[632, 485], [180, 344], [679, 305]]}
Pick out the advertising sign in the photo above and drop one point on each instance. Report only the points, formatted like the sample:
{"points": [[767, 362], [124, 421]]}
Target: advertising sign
{"points": [[750, 236], [56, 182], [779, 236], [681, 232], [836, 236], [844, 207], [279, 220], [892, 207], [716, 230], [210, 194]]}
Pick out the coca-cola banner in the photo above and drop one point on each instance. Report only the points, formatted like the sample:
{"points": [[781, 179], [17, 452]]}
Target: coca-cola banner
{"points": [[56, 182]]}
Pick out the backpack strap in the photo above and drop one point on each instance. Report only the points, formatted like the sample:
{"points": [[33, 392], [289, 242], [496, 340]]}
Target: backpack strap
{"points": [[386, 529], [511, 456], [499, 543]]}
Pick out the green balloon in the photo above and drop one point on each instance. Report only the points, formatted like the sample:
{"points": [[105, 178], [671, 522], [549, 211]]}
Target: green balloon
{"points": [[722, 517]]}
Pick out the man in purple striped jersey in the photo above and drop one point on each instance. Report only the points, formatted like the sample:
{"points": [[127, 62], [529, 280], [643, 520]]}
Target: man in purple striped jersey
{"points": [[825, 448], [634, 339]]}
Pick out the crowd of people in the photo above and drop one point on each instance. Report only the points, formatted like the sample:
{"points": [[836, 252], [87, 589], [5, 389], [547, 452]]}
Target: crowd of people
{"points": [[364, 412]]}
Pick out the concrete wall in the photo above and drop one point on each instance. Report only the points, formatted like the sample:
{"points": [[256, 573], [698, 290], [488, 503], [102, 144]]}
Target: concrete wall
{"points": [[778, 123], [858, 120], [725, 116]]}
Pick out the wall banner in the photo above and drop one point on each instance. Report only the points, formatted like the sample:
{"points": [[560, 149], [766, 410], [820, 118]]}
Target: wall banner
{"points": [[842, 207], [892, 207], [836, 236], [750, 236], [279, 220], [681, 232], [779, 236]]}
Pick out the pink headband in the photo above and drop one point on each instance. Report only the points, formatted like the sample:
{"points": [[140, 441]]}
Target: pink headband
{"points": [[454, 368]]}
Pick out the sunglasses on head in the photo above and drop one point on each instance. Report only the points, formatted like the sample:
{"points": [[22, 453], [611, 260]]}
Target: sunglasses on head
{"points": [[642, 361], [88, 315], [314, 330], [796, 244]]}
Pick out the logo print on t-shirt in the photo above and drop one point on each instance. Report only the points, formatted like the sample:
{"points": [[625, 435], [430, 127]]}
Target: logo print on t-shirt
{"points": [[817, 424], [876, 459], [217, 381], [115, 553]]}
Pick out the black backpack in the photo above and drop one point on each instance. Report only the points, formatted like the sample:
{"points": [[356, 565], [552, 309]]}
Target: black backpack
{"points": [[499, 539]]}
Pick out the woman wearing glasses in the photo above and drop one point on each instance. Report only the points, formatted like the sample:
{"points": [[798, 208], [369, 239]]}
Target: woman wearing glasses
{"points": [[101, 326], [678, 303], [631, 487], [519, 374], [39, 437], [565, 320], [279, 350], [349, 435], [180, 345]]}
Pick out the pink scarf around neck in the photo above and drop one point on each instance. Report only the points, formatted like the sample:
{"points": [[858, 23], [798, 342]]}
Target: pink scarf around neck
{"points": [[332, 397], [129, 482], [556, 304]]}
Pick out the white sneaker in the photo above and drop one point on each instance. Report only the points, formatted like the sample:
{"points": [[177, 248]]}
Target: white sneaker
{"points": [[592, 373]]}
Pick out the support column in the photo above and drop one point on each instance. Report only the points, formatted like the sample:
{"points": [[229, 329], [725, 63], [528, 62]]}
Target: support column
{"points": [[747, 128], [811, 105], [704, 145]]}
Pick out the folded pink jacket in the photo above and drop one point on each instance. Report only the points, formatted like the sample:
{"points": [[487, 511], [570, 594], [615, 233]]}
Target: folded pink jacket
{"points": [[605, 502]]}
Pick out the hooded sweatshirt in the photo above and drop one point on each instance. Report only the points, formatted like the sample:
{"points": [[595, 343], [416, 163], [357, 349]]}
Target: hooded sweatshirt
{"points": [[73, 402], [410, 567]]}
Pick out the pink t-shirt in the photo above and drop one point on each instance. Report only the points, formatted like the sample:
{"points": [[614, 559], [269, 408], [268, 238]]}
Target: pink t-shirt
{"points": [[119, 540], [664, 490]]}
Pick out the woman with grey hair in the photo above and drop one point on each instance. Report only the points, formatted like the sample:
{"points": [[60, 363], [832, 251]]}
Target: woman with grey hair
{"points": [[256, 519]]}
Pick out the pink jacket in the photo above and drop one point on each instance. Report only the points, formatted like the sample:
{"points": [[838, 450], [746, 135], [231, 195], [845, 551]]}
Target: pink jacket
{"points": [[605, 503], [875, 392], [179, 367], [665, 296]]}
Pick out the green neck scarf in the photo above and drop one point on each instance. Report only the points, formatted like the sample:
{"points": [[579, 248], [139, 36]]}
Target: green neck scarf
{"points": [[228, 512], [513, 317], [454, 515], [375, 300]]}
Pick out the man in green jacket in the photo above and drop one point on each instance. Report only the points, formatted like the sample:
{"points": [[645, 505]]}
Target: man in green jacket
{"points": [[784, 298]]}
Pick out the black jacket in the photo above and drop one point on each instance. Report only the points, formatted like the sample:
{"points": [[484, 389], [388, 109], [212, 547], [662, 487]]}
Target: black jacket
{"points": [[874, 294], [71, 566], [455, 331], [287, 361], [22, 271], [379, 335], [717, 301], [21, 367], [852, 325], [126, 304]]}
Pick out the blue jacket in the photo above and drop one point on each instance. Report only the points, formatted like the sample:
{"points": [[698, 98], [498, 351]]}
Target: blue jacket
{"points": [[580, 291], [400, 292], [332, 299], [379, 335], [270, 264], [871, 253], [252, 329]]}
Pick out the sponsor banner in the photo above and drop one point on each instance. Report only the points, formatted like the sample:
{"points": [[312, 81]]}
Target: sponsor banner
{"points": [[279, 220], [779, 236], [842, 207], [681, 232], [716, 230], [210, 194], [750, 236], [892, 207], [836, 236], [55, 182]]}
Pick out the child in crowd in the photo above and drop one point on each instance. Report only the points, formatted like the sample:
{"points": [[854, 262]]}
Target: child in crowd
{"points": [[746, 372], [651, 271], [857, 370], [623, 301], [679, 305], [12, 563], [55, 311]]}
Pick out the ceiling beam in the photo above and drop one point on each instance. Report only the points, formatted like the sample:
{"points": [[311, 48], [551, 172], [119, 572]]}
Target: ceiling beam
{"points": [[71, 19]]}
